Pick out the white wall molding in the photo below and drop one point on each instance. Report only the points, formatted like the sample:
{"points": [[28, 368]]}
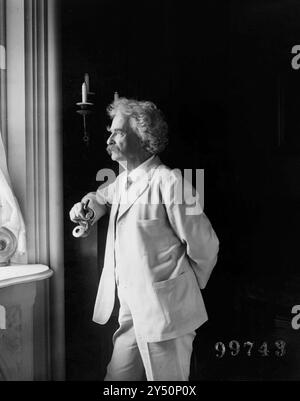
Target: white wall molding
{"points": [[3, 99], [34, 144]]}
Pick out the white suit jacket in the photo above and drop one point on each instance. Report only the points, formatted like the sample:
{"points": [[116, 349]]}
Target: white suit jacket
{"points": [[160, 249]]}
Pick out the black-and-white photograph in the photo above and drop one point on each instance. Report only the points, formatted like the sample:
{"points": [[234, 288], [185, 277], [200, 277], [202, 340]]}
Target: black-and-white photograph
{"points": [[149, 193]]}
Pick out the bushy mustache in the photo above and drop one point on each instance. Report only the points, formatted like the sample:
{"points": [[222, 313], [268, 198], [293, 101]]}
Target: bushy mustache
{"points": [[109, 149]]}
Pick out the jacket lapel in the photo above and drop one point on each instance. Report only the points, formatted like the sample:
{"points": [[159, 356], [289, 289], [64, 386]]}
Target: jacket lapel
{"points": [[138, 188]]}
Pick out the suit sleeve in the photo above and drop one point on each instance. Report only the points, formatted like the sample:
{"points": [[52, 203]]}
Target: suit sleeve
{"points": [[191, 225], [100, 201]]}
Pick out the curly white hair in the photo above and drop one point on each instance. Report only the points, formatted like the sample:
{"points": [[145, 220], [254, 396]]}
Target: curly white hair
{"points": [[151, 126]]}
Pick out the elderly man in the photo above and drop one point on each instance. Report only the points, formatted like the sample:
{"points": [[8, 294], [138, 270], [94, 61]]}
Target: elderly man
{"points": [[160, 251]]}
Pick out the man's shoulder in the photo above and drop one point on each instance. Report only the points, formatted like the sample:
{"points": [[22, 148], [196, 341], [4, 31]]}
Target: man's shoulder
{"points": [[167, 174]]}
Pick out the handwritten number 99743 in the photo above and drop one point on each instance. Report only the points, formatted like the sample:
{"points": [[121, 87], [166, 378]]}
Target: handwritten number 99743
{"points": [[249, 348]]}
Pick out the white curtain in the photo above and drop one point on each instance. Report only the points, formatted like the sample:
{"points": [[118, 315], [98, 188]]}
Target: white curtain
{"points": [[10, 213]]}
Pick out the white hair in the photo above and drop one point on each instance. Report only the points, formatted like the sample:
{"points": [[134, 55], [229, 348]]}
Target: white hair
{"points": [[151, 126]]}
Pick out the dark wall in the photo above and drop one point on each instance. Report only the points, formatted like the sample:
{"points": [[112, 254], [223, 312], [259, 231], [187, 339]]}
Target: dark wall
{"points": [[221, 74]]}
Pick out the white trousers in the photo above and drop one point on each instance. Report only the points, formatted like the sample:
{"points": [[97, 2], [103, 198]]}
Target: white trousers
{"points": [[134, 359]]}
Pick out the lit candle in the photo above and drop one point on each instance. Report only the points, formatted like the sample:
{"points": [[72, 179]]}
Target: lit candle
{"points": [[84, 93], [116, 96], [87, 81]]}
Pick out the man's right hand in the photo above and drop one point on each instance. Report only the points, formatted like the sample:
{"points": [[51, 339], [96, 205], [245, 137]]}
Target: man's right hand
{"points": [[77, 212]]}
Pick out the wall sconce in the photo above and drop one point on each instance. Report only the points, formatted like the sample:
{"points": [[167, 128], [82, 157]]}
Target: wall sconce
{"points": [[85, 106]]}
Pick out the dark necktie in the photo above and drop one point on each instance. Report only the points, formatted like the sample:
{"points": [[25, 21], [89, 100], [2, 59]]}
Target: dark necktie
{"points": [[128, 183]]}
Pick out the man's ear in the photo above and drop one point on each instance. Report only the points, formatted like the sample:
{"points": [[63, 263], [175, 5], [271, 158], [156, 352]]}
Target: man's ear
{"points": [[131, 123]]}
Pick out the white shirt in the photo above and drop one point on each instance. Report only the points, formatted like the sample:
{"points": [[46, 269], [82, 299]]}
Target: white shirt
{"points": [[133, 176], [136, 173]]}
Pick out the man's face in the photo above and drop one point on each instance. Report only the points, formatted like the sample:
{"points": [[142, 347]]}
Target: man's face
{"points": [[123, 143]]}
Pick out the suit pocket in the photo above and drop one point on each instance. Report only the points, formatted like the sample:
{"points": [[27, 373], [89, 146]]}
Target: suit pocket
{"points": [[174, 298], [154, 237], [149, 222], [170, 282]]}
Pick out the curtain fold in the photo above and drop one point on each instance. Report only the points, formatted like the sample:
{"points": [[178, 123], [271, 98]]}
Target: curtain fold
{"points": [[10, 213], [3, 116]]}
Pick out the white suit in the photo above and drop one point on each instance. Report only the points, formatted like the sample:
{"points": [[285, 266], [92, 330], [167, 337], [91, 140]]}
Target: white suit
{"points": [[160, 251]]}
